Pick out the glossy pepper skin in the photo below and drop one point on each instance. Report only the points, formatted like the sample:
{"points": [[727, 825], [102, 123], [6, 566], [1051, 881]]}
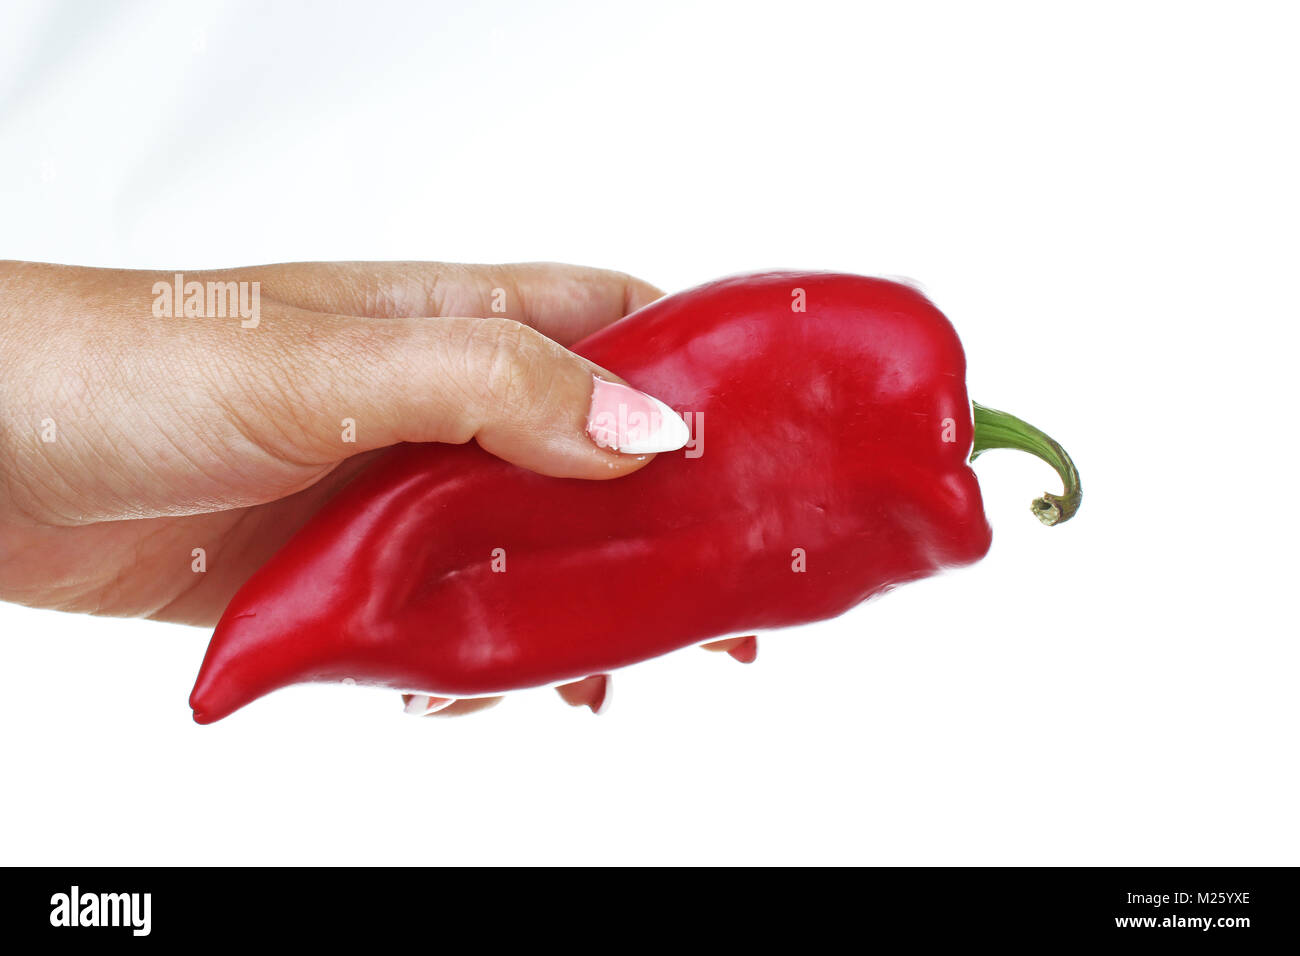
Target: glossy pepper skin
{"points": [[840, 433]]}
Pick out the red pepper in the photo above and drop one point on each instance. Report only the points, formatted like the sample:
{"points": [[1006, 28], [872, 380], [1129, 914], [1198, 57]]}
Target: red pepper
{"points": [[832, 440]]}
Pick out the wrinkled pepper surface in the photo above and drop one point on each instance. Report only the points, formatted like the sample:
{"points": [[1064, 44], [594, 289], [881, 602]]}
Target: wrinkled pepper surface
{"points": [[832, 440]]}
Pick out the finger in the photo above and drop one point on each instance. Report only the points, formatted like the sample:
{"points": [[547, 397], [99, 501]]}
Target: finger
{"points": [[743, 649], [420, 705], [469, 705], [563, 302], [590, 692], [520, 395]]}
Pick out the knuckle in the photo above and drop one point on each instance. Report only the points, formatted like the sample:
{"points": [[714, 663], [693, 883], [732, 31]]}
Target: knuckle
{"points": [[511, 356]]}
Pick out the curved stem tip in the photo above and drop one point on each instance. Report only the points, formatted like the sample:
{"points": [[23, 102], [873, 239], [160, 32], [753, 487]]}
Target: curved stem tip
{"points": [[995, 429]]}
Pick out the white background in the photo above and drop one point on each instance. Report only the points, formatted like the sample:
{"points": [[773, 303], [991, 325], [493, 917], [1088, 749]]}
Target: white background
{"points": [[1104, 201]]}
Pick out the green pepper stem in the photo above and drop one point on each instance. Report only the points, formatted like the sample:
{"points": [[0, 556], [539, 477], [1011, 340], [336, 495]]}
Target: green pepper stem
{"points": [[994, 429]]}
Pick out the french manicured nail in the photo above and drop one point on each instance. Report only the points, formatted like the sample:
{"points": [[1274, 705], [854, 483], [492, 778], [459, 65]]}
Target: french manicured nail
{"points": [[632, 422], [419, 705]]}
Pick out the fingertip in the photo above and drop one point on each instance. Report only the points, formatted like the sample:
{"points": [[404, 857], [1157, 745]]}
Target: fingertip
{"points": [[633, 422]]}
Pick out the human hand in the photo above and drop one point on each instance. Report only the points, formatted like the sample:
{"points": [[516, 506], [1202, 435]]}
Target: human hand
{"points": [[129, 440]]}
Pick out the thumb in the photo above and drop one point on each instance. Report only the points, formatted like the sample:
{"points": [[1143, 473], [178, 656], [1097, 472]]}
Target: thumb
{"points": [[521, 396]]}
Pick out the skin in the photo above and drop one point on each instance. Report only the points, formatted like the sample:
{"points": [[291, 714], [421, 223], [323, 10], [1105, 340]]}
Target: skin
{"points": [[182, 433]]}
